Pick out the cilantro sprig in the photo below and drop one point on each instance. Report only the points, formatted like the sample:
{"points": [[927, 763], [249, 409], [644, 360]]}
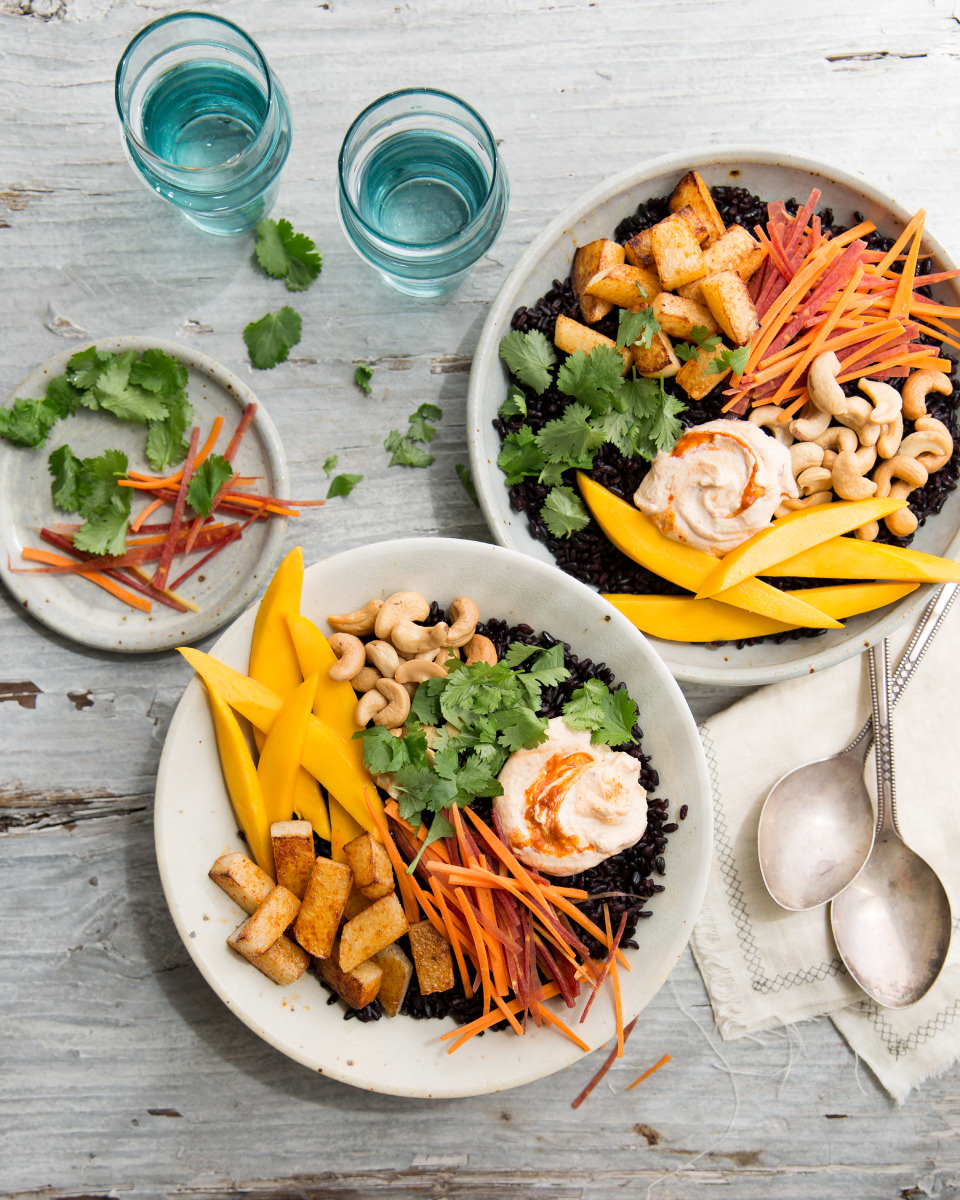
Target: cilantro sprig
{"points": [[403, 446], [90, 487], [285, 254], [478, 715], [730, 360], [270, 340]]}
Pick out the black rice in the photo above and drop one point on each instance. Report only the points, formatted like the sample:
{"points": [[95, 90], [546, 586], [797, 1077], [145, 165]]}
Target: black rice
{"points": [[587, 554]]}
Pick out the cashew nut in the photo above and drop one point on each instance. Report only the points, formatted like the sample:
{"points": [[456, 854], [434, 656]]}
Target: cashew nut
{"points": [[810, 423], [480, 649], [814, 479], [868, 532], [849, 480], [857, 418], [909, 474], [368, 705], [465, 617], [916, 389], [838, 437], [825, 392], [397, 704], [791, 505], [887, 401], [804, 455], [412, 639], [932, 444], [349, 651], [830, 457], [888, 443], [904, 521], [366, 679], [359, 622], [767, 416], [401, 606], [416, 670], [383, 656]]}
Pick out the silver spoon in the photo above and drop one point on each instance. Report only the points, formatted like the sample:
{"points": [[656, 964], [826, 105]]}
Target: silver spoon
{"points": [[892, 925], [817, 826]]}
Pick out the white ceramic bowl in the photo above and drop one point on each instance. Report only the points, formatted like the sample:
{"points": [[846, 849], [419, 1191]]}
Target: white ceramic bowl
{"points": [[596, 214], [194, 825]]}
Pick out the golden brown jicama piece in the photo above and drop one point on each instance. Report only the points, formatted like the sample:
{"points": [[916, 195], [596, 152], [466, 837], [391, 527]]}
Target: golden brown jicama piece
{"points": [[377, 926], [283, 963], [676, 252], [322, 907], [357, 902], [587, 261], [656, 359], [371, 866], [570, 336], [679, 317], [692, 191], [293, 854], [260, 930], [397, 972], [432, 958], [639, 251], [358, 986], [243, 881], [626, 286], [696, 378], [729, 300]]}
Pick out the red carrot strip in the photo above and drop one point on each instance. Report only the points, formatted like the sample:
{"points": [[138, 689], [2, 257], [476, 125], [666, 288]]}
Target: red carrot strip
{"points": [[608, 961], [97, 577], [608, 1063], [166, 558], [646, 1075]]}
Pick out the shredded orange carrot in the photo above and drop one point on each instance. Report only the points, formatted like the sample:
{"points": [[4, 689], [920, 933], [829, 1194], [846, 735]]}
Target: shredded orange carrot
{"points": [[908, 231], [410, 909], [515, 1024], [901, 299], [480, 946], [615, 980], [454, 938], [608, 1063], [553, 1019], [147, 512], [95, 576], [466, 1032], [646, 1075]]}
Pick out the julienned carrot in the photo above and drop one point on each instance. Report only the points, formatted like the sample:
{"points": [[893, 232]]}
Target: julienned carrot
{"points": [[481, 948], [166, 558], [139, 519], [552, 1019], [143, 578], [410, 909], [138, 480], [908, 231], [97, 577], [608, 962], [501, 1005], [608, 1063], [646, 1075], [466, 1032], [455, 941], [615, 980]]}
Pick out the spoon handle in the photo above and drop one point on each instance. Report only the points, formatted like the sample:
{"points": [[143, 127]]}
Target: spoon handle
{"points": [[911, 658], [883, 734]]}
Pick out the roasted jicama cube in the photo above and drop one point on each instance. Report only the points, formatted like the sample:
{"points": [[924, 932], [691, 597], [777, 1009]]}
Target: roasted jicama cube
{"points": [[656, 359], [397, 972], [358, 986], [625, 285], [676, 252], [587, 261], [693, 219], [377, 926], [570, 336], [696, 378], [323, 905], [284, 962], [371, 866], [678, 317], [432, 958], [735, 251], [244, 882], [729, 300], [259, 931], [692, 191], [293, 854], [356, 903], [639, 251]]}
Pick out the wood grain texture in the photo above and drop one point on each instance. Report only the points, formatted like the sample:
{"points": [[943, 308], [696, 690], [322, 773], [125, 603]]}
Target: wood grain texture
{"points": [[122, 1074]]}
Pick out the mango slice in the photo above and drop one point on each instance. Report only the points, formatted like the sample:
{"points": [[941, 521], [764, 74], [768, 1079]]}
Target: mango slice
{"points": [[282, 751], [335, 762], [243, 786], [636, 536], [343, 829], [683, 619], [849, 558], [336, 700], [789, 536]]}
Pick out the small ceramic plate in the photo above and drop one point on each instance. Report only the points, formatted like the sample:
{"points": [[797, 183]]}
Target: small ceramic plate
{"points": [[194, 825], [85, 613], [772, 176]]}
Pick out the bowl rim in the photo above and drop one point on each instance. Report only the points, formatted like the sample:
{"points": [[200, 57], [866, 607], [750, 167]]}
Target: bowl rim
{"points": [[490, 490]]}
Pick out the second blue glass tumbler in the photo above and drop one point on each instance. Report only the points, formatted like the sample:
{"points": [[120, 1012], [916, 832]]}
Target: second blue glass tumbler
{"points": [[422, 191]]}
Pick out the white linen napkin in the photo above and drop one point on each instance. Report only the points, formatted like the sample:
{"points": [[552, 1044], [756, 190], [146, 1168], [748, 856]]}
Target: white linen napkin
{"points": [[764, 966]]}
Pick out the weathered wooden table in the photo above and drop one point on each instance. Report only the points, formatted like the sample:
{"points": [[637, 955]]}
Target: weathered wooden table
{"points": [[120, 1071]]}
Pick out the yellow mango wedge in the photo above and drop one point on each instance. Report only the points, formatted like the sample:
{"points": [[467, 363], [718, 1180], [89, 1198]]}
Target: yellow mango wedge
{"points": [[684, 619], [636, 536], [790, 535], [343, 829], [335, 762], [336, 700], [282, 751], [849, 558], [243, 786]]}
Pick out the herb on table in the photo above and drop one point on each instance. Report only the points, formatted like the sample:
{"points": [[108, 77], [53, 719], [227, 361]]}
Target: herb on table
{"points": [[284, 254], [465, 476], [90, 486], [206, 482], [362, 376], [342, 485], [730, 360], [403, 446], [270, 339], [330, 464]]}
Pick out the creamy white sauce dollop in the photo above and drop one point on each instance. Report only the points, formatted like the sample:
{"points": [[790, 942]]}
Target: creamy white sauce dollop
{"points": [[567, 804], [719, 485]]}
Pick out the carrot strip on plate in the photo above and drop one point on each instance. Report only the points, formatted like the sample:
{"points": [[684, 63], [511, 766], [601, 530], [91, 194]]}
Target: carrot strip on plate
{"points": [[454, 940], [91, 573], [646, 1075], [465, 1032], [481, 950], [139, 519], [608, 1063], [608, 962], [554, 1020], [166, 558], [615, 980], [411, 911]]}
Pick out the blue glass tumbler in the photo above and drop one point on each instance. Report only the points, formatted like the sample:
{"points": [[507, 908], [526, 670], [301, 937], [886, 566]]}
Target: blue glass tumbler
{"points": [[422, 190], [205, 122]]}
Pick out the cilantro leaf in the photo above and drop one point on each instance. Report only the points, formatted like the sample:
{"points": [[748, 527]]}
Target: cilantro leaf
{"points": [[552, 474], [405, 452], [343, 485], [571, 439], [529, 356], [637, 327], [518, 653], [270, 339], [116, 394], [105, 531], [206, 481], [61, 396], [520, 456], [419, 430], [440, 827], [618, 428], [664, 427], [166, 439], [85, 367], [730, 360], [284, 254], [382, 752], [466, 478], [521, 728], [362, 376], [330, 464], [563, 512], [66, 468], [610, 716], [159, 372], [515, 404], [549, 669], [686, 352], [104, 505], [656, 411], [592, 378], [28, 422]]}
